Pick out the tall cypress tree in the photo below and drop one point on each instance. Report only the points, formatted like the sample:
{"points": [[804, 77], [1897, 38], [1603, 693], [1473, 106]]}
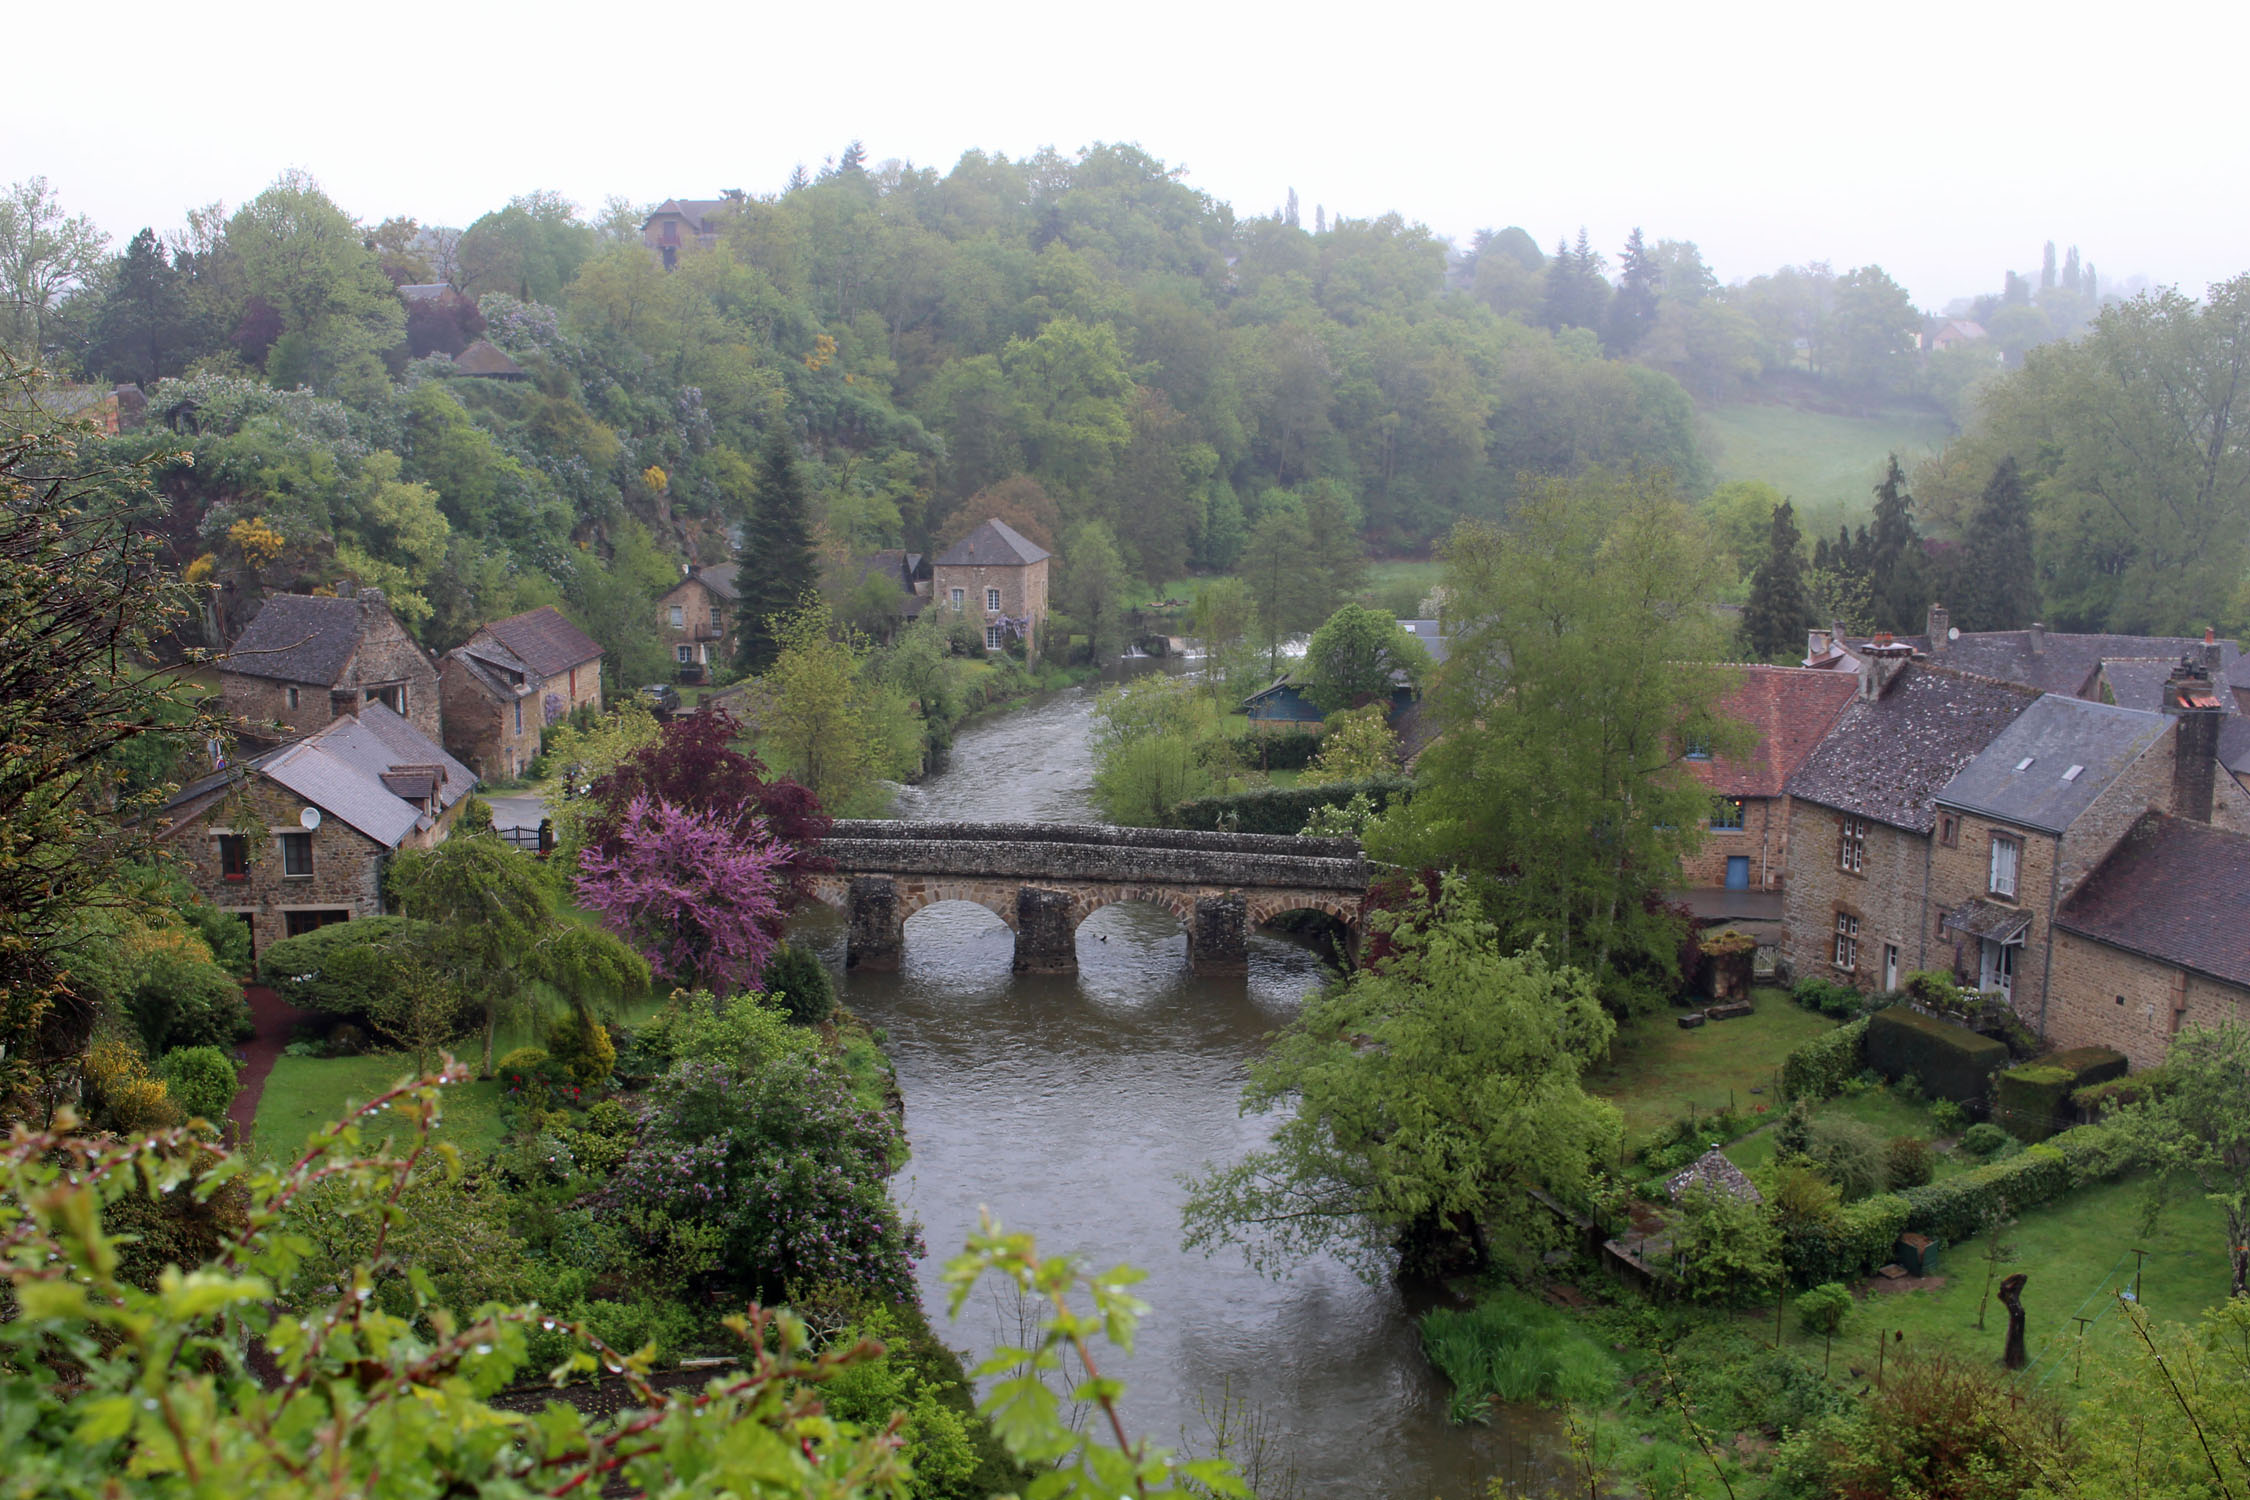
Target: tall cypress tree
{"points": [[776, 557], [2002, 580], [1780, 610]]}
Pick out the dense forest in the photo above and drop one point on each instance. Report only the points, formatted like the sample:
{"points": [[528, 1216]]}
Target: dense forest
{"points": [[1072, 341]]}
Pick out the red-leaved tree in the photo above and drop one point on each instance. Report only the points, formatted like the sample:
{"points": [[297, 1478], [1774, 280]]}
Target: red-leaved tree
{"points": [[699, 894]]}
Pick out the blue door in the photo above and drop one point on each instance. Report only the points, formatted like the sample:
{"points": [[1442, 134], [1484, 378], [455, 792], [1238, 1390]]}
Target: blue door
{"points": [[1738, 872]]}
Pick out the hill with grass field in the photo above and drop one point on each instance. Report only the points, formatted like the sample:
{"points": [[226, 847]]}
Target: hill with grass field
{"points": [[1824, 453]]}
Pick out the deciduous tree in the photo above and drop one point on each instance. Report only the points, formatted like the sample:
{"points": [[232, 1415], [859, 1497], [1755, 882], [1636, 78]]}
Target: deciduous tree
{"points": [[1355, 654], [697, 894], [2198, 1131]]}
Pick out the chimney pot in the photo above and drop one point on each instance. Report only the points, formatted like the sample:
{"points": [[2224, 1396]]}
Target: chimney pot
{"points": [[1941, 622], [2038, 639]]}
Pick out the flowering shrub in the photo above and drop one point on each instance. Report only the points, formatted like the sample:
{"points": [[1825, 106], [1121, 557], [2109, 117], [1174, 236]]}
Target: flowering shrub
{"points": [[698, 894], [785, 1161]]}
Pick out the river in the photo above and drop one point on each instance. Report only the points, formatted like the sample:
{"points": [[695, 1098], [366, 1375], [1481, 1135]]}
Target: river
{"points": [[1072, 1106]]}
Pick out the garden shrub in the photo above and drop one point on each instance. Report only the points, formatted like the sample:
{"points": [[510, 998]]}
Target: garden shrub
{"points": [[1984, 1139], [580, 1046], [1740, 1383], [1819, 1068], [1828, 997], [1947, 1116], [798, 981], [1843, 1242], [1909, 1162], [2028, 1100], [1954, 1208], [201, 1081], [1284, 809], [2093, 1153], [659, 1319], [344, 969], [1282, 750], [2098, 1099], [182, 999], [224, 933], [1849, 1153], [1729, 1248], [1951, 1061], [120, 1090], [1824, 1309], [1511, 1348], [521, 1060]]}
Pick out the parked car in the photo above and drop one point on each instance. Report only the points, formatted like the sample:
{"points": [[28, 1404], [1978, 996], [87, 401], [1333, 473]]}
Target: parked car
{"points": [[662, 698]]}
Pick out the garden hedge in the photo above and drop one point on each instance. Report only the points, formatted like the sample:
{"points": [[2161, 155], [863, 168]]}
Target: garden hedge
{"points": [[1853, 1241], [1281, 750], [1952, 1062], [1957, 1207], [343, 968], [2031, 1098], [1284, 809], [1821, 1066]]}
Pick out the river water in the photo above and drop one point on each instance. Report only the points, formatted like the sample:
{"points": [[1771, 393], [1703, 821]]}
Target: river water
{"points": [[1072, 1106]]}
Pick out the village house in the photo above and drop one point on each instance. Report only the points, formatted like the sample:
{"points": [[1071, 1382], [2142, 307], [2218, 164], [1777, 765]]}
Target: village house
{"points": [[306, 660], [678, 223], [881, 589], [509, 681], [2128, 670], [996, 578], [1787, 710], [1862, 810], [2028, 820], [298, 837], [2154, 941], [696, 619]]}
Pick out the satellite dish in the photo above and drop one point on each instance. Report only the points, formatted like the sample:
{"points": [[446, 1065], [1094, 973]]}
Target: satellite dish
{"points": [[1954, 634], [309, 819]]}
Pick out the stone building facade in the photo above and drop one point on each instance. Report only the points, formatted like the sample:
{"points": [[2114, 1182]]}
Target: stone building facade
{"points": [[299, 836], [307, 660], [1787, 711], [696, 619], [509, 681], [996, 578]]}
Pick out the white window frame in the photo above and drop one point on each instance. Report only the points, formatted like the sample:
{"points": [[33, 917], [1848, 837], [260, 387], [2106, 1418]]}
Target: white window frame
{"points": [[1851, 846], [1997, 967], [1890, 966], [2005, 872], [1846, 954], [992, 601], [992, 638], [678, 616], [684, 654], [960, 598]]}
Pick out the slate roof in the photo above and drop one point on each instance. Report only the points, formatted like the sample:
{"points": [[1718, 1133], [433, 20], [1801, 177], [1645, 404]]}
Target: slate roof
{"points": [[1712, 1170], [994, 544], [2234, 744], [500, 671], [299, 638], [546, 642], [349, 768], [1788, 709], [486, 358], [718, 578], [1887, 758], [1990, 920], [2025, 776], [2172, 890], [694, 210], [1431, 634], [2069, 663], [894, 566]]}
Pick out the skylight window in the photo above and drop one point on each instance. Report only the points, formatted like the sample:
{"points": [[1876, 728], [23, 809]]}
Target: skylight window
{"points": [[2073, 773], [2025, 763]]}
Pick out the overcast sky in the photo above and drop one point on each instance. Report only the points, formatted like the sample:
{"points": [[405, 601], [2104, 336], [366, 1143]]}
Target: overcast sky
{"points": [[1943, 141]]}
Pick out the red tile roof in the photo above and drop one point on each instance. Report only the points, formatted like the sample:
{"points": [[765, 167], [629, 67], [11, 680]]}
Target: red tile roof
{"points": [[1788, 709], [2174, 891]]}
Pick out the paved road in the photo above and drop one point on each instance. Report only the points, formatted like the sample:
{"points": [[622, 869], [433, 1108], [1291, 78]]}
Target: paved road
{"points": [[520, 810]]}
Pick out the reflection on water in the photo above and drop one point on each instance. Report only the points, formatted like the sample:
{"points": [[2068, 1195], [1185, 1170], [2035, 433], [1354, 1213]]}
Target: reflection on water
{"points": [[1073, 1106]]}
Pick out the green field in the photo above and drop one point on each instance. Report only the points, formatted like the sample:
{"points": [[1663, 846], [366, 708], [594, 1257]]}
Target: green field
{"points": [[1657, 1071], [1397, 584], [1827, 462]]}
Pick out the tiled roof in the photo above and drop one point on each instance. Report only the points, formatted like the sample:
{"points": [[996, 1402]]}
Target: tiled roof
{"points": [[341, 769], [2172, 890], [694, 210], [299, 638], [546, 642], [1788, 709], [1887, 757], [2068, 663], [1714, 1172], [718, 578], [994, 544], [2048, 766]]}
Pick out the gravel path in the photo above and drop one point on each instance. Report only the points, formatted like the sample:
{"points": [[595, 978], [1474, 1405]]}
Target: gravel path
{"points": [[275, 1018]]}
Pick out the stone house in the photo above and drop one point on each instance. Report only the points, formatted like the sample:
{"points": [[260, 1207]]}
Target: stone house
{"points": [[306, 660], [298, 837], [1862, 810], [1788, 710], [2088, 666], [996, 578], [2028, 820], [696, 619], [2154, 941], [509, 681], [679, 223]]}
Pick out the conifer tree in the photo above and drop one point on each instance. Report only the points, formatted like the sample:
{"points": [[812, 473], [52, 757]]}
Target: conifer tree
{"points": [[1779, 610], [776, 557], [2001, 582], [1633, 311], [1897, 571]]}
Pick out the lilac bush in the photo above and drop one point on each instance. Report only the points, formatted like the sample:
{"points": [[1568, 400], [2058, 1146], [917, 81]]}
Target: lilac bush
{"points": [[785, 1161]]}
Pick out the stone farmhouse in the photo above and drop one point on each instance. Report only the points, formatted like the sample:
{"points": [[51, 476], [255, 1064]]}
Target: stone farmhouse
{"points": [[1788, 710], [679, 223], [696, 618], [997, 578], [306, 660], [509, 681], [297, 837]]}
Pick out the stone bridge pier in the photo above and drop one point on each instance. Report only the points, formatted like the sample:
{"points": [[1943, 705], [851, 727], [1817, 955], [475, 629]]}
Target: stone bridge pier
{"points": [[1045, 922]]}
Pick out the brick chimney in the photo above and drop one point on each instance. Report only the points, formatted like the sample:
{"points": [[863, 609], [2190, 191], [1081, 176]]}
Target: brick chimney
{"points": [[2211, 655], [2038, 639], [1879, 665], [2189, 693], [1940, 623], [371, 602]]}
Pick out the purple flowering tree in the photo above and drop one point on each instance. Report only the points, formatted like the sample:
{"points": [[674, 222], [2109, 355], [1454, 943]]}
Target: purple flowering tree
{"points": [[698, 894]]}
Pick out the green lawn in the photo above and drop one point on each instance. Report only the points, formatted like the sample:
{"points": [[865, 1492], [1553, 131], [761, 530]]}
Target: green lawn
{"points": [[1826, 462], [1656, 1070], [1881, 1108], [305, 1093]]}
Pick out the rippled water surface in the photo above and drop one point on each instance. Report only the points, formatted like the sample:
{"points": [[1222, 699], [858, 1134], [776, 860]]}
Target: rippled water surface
{"points": [[1073, 1105]]}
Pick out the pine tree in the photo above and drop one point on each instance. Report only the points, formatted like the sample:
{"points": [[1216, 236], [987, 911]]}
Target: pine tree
{"points": [[2047, 268], [1633, 311], [855, 159], [1897, 571], [776, 557], [1320, 218], [2002, 580], [1779, 610], [1576, 294]]}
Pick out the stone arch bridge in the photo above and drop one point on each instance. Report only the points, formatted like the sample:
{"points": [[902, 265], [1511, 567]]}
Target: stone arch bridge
{"points": [[1043, 879]]}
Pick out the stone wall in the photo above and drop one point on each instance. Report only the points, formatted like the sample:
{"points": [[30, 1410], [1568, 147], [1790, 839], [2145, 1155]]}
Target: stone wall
{"points": [[698, 607], [255, 705], [1023, 592], [1963, 871], [2105, 997], [387, 658], [2147, 783], [346, 864], [1093, 854], [494, 739], [1886, 895], [1762, 837]]}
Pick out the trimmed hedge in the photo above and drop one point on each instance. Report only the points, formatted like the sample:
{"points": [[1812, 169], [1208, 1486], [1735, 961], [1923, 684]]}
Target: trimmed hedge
{"points": [[1958, 1207], [1821, 1066], [1951, 1061], [1283, 750], [343, 968], [2098, 1099], [1284, 809], [1852, 1242], [2028, 1101]]}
